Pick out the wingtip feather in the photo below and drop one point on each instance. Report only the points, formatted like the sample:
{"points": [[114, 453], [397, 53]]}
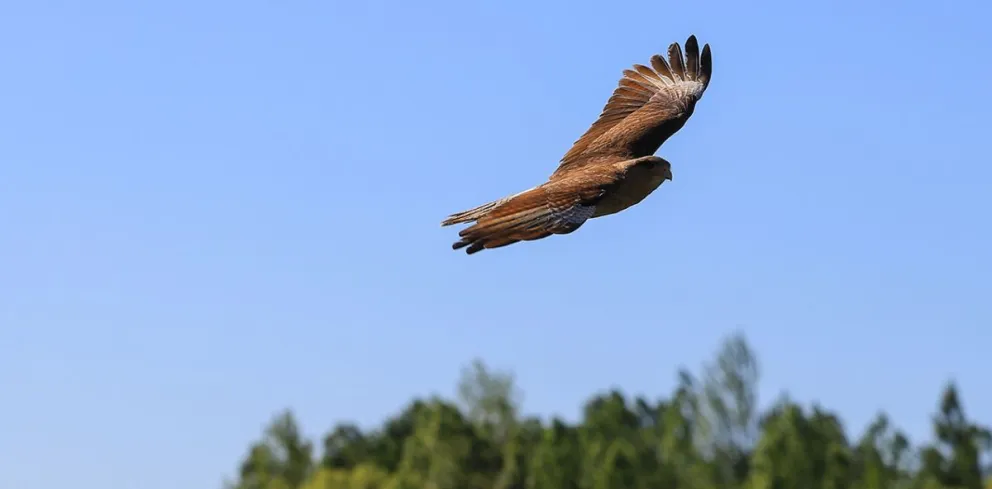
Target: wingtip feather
{"points": [[705, 65], [661, 66], [675, 61], [692, 58]]}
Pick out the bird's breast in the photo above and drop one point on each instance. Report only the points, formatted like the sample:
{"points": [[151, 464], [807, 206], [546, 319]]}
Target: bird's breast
{"points": [[633, 189]]}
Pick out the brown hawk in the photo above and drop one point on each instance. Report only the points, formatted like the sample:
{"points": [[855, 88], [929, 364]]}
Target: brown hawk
{"points": [[611, 167]]}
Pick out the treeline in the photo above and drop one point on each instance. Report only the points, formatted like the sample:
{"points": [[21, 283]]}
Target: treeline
{"points": [[708, 434]]}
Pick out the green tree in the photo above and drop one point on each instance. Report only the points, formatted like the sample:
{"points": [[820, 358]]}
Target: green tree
{"points": [[962, 441], [283, 459], [557, 461], [492, 401], [731, 405], [706, 434]]}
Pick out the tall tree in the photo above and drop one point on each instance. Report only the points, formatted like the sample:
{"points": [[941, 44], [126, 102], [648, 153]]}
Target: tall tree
{"points": [[283, 459], [492, 402], [730, 406], [961, 440]]}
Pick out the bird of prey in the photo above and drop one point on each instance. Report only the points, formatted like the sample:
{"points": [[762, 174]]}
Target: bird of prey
{"points": [[611, 167]]}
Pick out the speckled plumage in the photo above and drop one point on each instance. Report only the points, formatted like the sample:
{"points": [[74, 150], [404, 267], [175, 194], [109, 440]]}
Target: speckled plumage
{"points": [[611, 167]]}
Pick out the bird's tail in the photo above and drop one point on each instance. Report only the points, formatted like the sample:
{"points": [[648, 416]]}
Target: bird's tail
{"points": [[472, 214], [522, 217], [475, 213]]}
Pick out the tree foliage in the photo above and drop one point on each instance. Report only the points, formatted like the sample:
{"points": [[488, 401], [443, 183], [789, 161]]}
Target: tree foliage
{"points": [[707, 434]]}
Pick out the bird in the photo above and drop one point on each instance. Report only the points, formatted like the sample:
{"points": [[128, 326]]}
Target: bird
{"points": [[611, 167]]}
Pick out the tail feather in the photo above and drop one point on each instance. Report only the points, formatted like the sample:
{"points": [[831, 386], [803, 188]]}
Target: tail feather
{"points": [[472, 214], [528, 216], [475, 213]]}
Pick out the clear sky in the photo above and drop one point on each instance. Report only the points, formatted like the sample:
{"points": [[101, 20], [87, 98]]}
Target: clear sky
{"points": [[214, 210]]}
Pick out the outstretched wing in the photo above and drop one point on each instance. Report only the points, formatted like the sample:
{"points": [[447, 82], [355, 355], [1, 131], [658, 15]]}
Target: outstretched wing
{"points": [[646, 108]]}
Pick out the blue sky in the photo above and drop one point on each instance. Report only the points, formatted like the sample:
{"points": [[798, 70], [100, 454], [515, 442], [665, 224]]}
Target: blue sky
{"points": [[215, 210]]}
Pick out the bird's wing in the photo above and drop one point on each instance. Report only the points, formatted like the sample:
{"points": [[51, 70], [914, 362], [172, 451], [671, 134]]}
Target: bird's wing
{"points": [[646, 108], [558, 207]]}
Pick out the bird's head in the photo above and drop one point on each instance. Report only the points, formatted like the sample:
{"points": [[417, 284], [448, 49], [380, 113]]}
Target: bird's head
{"points": [[657, 166]]}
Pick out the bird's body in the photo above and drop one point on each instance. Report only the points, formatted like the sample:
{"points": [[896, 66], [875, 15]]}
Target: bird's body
{"points": [[611, 167], [631, 190]]}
